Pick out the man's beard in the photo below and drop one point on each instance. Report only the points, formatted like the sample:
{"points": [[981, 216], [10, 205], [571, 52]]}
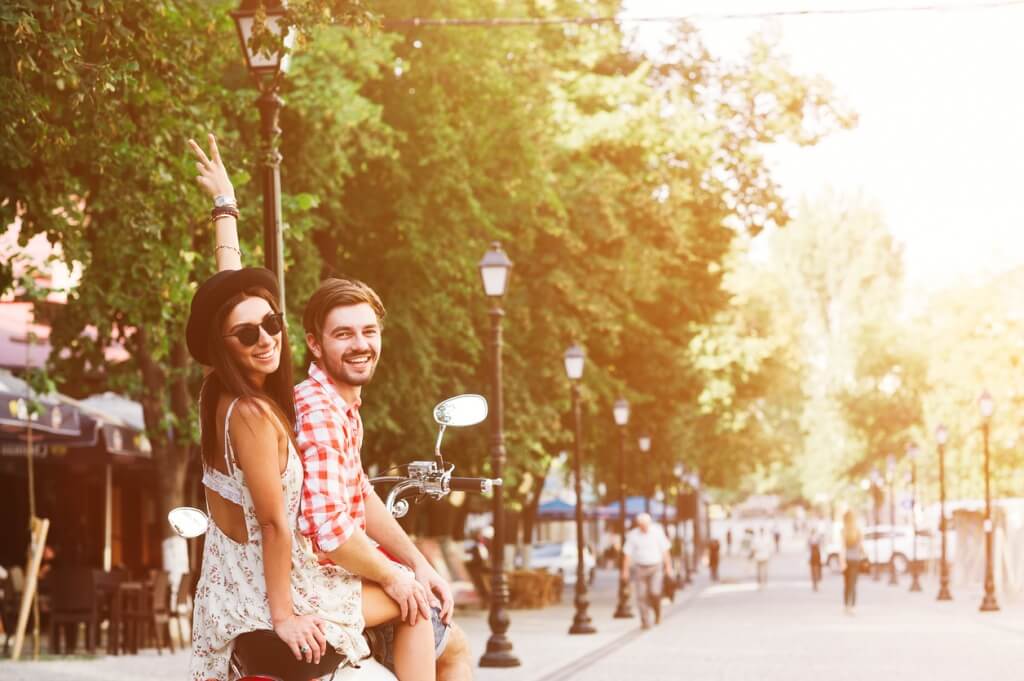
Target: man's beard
{"points": [[340, 373]]}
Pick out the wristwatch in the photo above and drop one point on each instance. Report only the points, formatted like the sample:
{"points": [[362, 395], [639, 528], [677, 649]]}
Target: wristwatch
{"points": [[222, 200]]}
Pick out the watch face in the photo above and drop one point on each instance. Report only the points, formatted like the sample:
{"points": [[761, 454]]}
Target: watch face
{"points": [[222, 200]]}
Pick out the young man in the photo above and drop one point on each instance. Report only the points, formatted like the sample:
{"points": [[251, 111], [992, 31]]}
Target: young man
{"points": [[341, 513]]}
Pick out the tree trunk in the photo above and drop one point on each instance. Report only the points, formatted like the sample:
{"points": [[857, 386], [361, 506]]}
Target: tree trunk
{"points": [[529, 515], [170, 442]]}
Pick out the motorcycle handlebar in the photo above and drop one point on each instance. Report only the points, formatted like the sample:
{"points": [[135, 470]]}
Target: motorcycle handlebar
{"points": [[481, 485]]}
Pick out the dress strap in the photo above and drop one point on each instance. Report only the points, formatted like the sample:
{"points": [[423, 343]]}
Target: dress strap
{"points": [[229, 455]]}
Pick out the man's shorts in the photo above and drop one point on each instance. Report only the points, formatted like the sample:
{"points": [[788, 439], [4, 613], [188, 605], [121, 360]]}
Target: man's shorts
{"points": [[382, 639]]}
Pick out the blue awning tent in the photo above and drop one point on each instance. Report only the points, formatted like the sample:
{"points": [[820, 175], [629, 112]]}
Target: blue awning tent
{"points": [[635, 506], [556, 510], [562, 510]]}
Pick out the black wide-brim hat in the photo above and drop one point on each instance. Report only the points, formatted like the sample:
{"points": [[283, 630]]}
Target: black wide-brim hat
{"points": [[209, 298]]}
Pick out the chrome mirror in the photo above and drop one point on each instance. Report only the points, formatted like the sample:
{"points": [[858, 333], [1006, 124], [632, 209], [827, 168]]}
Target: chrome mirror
{"points": [[188, 522], [458, 411], [461, 410]]}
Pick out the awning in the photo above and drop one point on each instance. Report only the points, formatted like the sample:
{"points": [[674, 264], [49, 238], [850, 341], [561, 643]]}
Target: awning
{"points": [[634, 506], [57, 418], [556, 509], [120, 423]]}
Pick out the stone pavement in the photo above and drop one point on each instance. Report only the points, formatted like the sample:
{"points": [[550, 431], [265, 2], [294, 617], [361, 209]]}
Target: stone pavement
{"points": [[723, 632], [734, 632], [540, 639]]}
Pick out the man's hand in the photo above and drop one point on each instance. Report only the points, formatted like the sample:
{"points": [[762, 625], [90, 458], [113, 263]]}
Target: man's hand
{"points": [[438, 588], [411, 597]]}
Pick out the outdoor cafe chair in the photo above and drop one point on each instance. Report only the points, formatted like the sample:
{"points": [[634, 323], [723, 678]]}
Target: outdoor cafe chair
{"points": [[143, 612], [183, 605], [74, 602], [10, 603]]}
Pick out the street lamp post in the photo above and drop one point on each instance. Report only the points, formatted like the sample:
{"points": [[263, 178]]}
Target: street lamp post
{"points": [[941, 435], [890, 472], [661, 496], [268, 68], [876, 492], [988, 603], [494, 272], [644, 442], [680, 472], [621, 413], [912, 452], [574, 361], [694, 533]]}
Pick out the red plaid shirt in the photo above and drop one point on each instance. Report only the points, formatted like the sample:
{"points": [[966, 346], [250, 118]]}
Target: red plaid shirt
{"points": [[334, 487]]}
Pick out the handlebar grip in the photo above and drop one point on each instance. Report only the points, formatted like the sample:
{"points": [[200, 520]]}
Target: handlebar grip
{"points": [[479, 485]]}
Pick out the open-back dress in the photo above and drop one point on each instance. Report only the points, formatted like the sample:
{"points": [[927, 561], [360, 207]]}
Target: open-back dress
{"points": [[231, 597]]}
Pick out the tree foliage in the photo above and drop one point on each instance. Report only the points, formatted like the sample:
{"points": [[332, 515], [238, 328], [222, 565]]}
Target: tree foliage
{"points": [[618, 182]]}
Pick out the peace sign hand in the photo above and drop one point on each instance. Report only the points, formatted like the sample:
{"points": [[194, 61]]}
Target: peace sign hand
{"points": [[213, 177]]}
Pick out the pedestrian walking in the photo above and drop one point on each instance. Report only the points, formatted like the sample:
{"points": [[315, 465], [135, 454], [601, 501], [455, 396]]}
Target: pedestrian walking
{"points": [[646, 561], [714, 549], [814, 546], [852, 556], [728, 541], [777, 538], [761, 552]]}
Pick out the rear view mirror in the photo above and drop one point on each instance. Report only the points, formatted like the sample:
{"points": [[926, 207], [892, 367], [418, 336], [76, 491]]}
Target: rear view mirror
{"points": [[188, 522], [461, 410]]}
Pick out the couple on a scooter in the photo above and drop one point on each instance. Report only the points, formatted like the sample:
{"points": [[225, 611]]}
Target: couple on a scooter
{"points": [[296, 526]]}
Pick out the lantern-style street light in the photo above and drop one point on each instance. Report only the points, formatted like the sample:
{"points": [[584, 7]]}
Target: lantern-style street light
{"points": [[988, 604], [268, 66], [644, 443], [574, 361], [494, 273], [890, 475], [912, 454], [941, 436], [620, 412]]}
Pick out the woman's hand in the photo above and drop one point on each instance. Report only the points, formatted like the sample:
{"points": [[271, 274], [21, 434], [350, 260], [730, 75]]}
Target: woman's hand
{"points": [[213, 177], [304, 634]]}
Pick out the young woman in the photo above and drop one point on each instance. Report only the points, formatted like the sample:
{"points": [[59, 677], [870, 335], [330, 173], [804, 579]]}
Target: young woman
{"points": [[853, 554], [258, 571]]}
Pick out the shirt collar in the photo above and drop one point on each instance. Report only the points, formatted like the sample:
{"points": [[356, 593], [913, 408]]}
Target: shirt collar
{"points": [[321, 377]]}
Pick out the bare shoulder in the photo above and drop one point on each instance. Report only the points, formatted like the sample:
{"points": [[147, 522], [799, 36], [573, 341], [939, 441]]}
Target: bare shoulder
{"points": [[254, 416]]}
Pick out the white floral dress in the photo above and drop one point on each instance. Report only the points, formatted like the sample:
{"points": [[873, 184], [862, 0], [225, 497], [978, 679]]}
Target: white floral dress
{"points": [[231, 597]]}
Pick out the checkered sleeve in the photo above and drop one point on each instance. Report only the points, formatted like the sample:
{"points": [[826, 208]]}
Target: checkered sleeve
{"points": [[325, 517]]}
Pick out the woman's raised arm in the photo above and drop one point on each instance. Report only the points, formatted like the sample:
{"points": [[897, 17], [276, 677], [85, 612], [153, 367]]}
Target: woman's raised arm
{"points": [[213, 178]]}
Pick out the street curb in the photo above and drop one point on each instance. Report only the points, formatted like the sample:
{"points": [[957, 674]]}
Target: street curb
{"points": [[594, 656]]}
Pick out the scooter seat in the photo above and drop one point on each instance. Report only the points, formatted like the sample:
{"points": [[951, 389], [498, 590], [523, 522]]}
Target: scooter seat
{"points": [[261, 652]]}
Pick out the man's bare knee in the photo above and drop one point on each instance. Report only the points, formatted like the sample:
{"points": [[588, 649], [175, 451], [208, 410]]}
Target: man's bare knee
{"points": [[455, 663]]}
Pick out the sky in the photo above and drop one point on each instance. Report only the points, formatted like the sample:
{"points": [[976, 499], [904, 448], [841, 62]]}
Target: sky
{"points": [[940, 98]]}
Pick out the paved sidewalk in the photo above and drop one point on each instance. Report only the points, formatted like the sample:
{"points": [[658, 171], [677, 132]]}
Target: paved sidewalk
{"points": [[730, 631], [540, 639], [786, 632]]}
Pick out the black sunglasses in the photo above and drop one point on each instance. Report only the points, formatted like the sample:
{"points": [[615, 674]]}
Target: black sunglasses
{"points": [[249, 334]]}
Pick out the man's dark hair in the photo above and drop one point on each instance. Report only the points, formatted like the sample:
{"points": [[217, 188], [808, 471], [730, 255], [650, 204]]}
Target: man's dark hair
{"points": [[337, 292]]}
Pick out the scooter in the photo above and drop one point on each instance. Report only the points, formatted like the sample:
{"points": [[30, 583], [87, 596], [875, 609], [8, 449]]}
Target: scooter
{"points": [[261, 655]]}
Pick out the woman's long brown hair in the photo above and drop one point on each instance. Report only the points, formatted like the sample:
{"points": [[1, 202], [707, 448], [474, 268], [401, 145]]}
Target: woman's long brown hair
{"points": [[227, 379]]}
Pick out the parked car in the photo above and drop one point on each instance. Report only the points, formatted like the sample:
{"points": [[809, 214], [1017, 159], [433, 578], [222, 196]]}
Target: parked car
{"points": [[560, 558], [879, 545]]}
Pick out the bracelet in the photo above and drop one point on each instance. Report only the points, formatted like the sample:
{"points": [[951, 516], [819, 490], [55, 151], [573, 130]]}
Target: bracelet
{"points": [[224, 210], [222, 215], [230, 248]]}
